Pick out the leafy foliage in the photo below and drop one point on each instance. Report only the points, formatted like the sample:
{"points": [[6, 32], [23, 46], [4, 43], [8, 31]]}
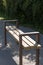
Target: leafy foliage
{"points": [[27, 11]]}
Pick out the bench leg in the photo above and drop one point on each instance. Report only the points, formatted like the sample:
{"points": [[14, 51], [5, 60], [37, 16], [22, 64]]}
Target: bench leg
{"points": [[17, 24], [37, 56], [20, 50], [37, 50], [5, 33]]}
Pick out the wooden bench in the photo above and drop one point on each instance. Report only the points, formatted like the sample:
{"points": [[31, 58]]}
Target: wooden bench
{"points": [[24, 39]]}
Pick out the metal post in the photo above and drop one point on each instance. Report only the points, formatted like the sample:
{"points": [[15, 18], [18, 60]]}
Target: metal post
{"points": [[20, 50], [37, 50]]}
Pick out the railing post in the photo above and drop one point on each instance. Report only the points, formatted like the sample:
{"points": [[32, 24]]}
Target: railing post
{"points": [[20, 50], [37, 49]]}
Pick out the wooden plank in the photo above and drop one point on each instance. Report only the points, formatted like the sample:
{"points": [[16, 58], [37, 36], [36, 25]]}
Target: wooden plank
{"points": [[29, 43], [17, 38], [28, 38], [7, 21], [25, 39], [29, 33]]}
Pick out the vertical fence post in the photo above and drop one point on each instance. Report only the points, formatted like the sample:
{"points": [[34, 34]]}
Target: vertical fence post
{"points": [[37, 49], [20, 50]]}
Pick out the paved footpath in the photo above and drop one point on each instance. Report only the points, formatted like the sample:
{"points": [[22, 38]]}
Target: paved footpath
{"points": [[9, 55]]}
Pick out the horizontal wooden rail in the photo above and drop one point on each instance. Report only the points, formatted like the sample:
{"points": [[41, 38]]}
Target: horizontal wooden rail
{"points": [[7, 21], [29, 33]]}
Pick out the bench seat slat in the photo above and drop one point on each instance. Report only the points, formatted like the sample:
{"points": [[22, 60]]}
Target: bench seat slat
{"points": [[17, 38], [33, 41], [24, 38], [29, 43], [27, 38]]}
